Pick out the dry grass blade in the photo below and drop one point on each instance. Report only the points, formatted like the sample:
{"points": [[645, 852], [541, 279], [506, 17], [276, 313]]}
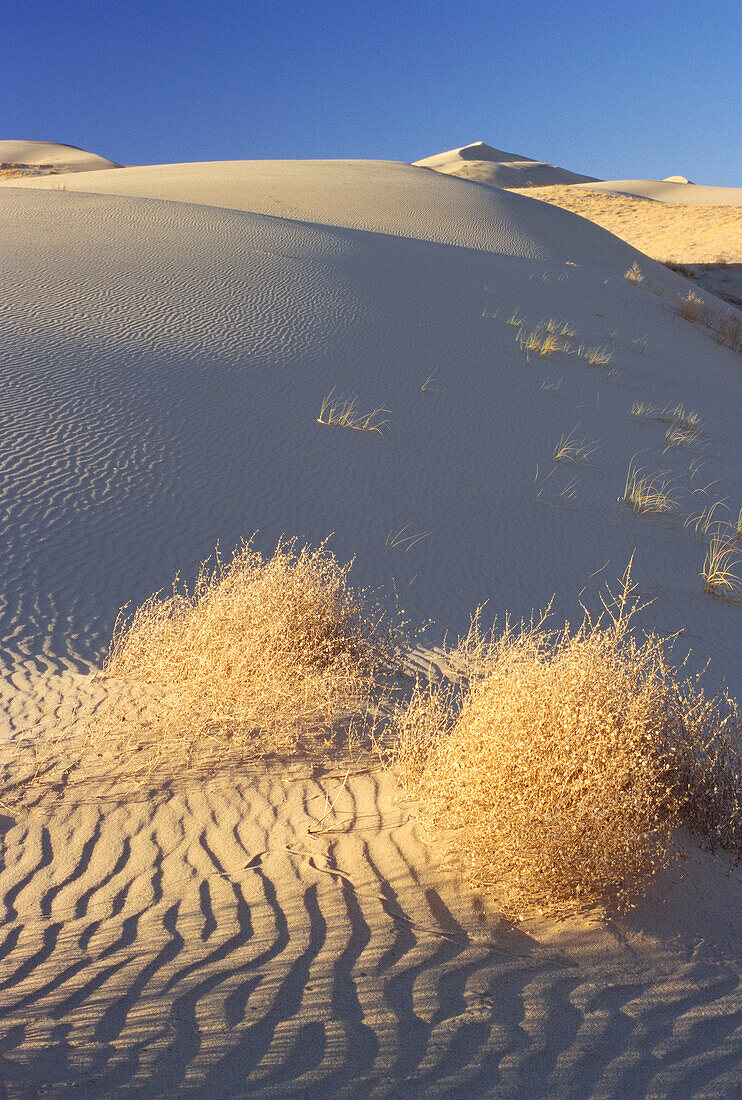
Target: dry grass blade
{"points": [[681, 437], [569, 449], [345, 414], [705, 524], [403, 539]]}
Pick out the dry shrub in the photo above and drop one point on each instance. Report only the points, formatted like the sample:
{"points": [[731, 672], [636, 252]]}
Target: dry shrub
{"points": [[727, 330], [691, 306], [559, 767], [262, 656]]}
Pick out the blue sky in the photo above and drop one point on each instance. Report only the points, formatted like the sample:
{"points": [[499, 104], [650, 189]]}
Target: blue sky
{"points": [[646, 88]]}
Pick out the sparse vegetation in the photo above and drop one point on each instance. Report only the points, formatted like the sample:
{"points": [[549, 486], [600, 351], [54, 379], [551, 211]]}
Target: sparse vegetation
{"points": [[559, 765], [643, 493], [560, 328], [675, 415], [345, 414], [404, 539], [542, 342]]}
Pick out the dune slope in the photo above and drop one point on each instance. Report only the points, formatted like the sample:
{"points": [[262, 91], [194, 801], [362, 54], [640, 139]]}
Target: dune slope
{"points": [[38, 158]]}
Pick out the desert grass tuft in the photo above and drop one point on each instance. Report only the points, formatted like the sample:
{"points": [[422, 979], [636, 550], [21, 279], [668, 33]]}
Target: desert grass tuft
{"points": [[261, 657], [557, 768], [643, 493], [345, 414], [634, 274], [541, 341], [721, 569], [681, 437], [691, 306], [595, 356], [570, 449]]}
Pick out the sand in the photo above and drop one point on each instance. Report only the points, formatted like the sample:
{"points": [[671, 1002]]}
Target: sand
{"points": [[168, 334]]}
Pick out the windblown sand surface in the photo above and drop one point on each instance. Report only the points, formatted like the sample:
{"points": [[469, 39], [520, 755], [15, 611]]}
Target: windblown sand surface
{"points": [[167, 335]]}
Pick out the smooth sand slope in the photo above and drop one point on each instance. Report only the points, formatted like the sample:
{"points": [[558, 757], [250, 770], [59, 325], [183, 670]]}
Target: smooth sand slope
{"points": [[163, 359], [47, 157], [482, 163]]}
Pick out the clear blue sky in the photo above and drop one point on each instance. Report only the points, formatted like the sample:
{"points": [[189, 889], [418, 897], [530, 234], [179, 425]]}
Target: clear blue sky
{"points": [[643, 88]]}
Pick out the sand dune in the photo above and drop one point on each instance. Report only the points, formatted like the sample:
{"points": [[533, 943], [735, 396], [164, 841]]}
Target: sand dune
{"points": [[165, 345], [484, 164], [678, 190], [38, 158], [375, 196]]}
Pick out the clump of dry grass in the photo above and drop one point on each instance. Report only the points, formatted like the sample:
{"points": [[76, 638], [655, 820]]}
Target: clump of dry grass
{"points": [[643, 493], [542, 341], [681, 437], [634, 274], [560, 764], [721, 569], [595, 356], [345, 414], [263, 655]]}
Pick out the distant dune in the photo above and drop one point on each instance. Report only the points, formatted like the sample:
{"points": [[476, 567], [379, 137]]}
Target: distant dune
{"points": [[36, 158], [484, 164], [674, 189]]}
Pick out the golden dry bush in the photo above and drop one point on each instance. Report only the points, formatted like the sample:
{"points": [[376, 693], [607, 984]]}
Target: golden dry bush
{"points": [[261, 656], [550, 771]]}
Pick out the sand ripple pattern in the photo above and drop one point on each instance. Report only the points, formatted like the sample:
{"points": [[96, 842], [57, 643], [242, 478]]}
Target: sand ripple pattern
{"points": [[200, 942]]}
